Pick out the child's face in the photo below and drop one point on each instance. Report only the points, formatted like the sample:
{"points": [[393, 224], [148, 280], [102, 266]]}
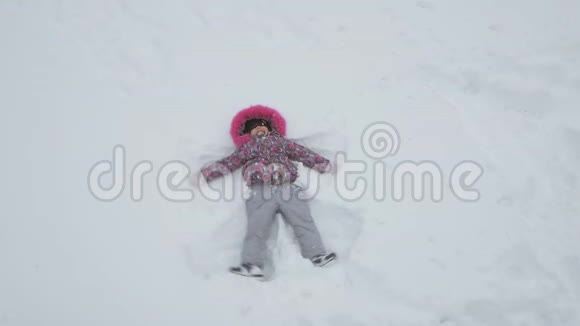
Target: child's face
{"points": [[259, 131]]}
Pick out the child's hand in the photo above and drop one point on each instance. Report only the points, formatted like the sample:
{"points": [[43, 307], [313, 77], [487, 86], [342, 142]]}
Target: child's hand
{"points": [[195, 179], [326, 167], [332, 168]]}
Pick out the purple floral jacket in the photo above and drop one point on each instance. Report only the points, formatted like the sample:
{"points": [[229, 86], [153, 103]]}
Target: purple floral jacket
{"points": [[267, 159]]}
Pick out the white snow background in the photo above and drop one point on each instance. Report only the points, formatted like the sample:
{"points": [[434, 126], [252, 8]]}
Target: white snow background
{"points": [[497, 82]]}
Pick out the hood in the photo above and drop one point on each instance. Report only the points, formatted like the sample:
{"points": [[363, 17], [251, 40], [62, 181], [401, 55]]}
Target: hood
{"points": [[256, 112]]}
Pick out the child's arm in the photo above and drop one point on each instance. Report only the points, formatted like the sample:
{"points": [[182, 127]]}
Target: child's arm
{"points": [[307, 157], [227, 164]]}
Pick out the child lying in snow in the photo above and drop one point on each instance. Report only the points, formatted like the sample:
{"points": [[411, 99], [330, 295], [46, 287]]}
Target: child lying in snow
{"points": [[266, 157]]}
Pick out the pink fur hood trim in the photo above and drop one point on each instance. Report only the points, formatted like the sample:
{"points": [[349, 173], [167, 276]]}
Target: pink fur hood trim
{"points": [[276, 120]]}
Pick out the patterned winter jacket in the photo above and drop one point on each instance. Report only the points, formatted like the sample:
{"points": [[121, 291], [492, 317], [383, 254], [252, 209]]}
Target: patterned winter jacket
{"points": [[267, 159]]}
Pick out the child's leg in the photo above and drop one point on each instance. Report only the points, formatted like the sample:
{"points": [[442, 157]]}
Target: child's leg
{"points": [[261, 211], [296, 212]]}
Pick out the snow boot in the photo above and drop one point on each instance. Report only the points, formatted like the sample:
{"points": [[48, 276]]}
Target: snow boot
{"points": [[323, 259], [248, 270]]}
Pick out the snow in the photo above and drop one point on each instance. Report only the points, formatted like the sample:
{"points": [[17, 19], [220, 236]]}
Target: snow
{"points": [[495, 82]]}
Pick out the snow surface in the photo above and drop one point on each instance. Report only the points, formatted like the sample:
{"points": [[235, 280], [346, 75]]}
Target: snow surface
{"points": [[497, 82]]}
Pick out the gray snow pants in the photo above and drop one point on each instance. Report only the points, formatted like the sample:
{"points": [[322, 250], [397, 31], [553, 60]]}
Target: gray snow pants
{"points": [[261, 208]]}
